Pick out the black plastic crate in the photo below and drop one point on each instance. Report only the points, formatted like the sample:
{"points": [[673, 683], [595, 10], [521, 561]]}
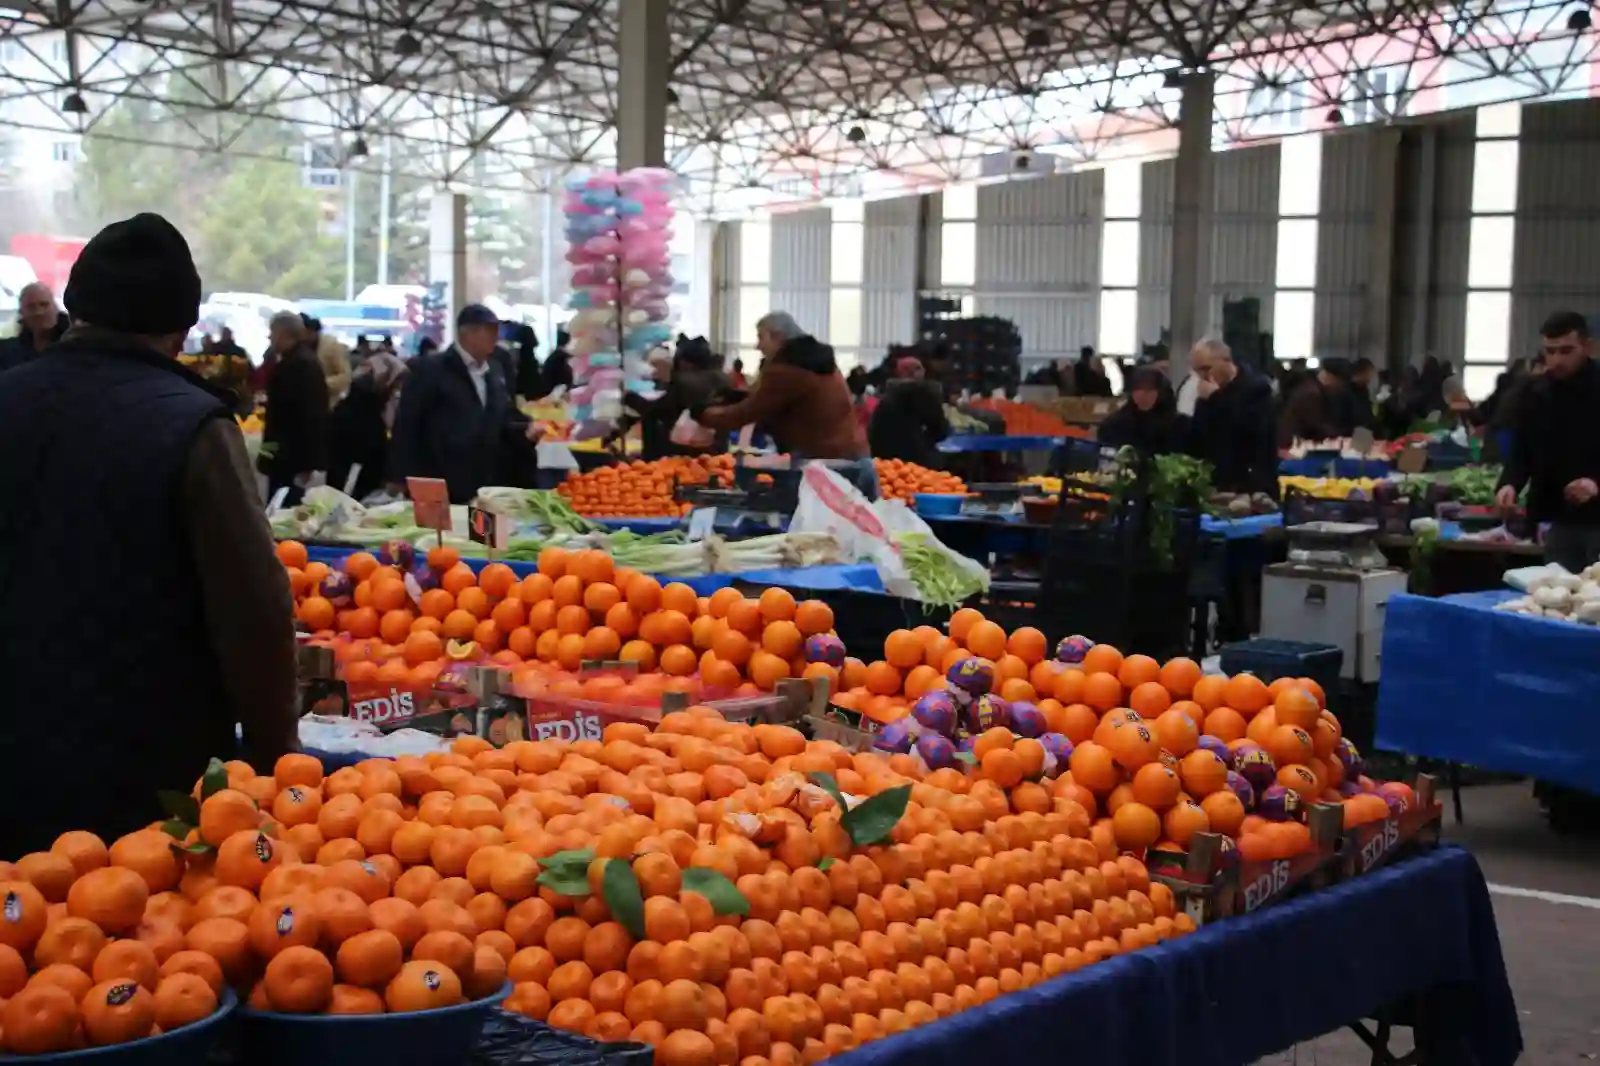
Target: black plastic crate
{"points": [[1301, 507], [1271, 659]]}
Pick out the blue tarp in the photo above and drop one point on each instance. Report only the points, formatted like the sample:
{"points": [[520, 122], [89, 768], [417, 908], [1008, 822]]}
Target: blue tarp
{"points": [[1228, 529], [1500, 691], [1334, 467], [1423, 927]]}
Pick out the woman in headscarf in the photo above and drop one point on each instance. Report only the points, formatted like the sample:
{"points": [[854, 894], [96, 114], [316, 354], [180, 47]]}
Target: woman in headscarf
{"points": [[909, 420], [1149, 421], [688, 378]]}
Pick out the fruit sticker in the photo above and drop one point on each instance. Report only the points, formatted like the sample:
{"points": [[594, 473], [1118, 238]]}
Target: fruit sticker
{"points": [[119, 994], [12, 910], [430, 978], [296, 794], [263, 848], [285, 923]]}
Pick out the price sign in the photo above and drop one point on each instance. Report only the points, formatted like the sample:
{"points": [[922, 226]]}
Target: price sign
{"points": [[488, 528], [430, 503], [702, 520]]}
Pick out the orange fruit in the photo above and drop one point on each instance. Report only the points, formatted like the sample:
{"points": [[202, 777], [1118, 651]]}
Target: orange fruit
{"points": [[183, 999], [117, 1011], [111, 897], [299, 980], [197, 963], [126, 960], [423, 985], [40, 1020], [370, 959]]}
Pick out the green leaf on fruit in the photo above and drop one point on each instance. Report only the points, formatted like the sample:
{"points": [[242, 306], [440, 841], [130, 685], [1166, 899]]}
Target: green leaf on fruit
{"points": [[827, 863], [179, 805], [566, 862], [214, 780], [827, 783], [565, 884], [967, 757], [620, 887], [176, 828], [714, 885], [872, 820]]}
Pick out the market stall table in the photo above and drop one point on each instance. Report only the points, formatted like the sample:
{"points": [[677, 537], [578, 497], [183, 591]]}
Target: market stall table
{"points": [[979, 442], [1312, 466], [1420, 933], [1468, 684]]}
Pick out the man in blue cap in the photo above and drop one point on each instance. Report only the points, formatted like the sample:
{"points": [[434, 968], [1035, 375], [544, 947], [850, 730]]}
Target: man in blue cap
{"points": [[458, 418]]}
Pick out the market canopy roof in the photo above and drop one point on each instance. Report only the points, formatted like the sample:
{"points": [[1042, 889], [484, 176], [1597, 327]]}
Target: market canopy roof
{"points": [[772, 99]]}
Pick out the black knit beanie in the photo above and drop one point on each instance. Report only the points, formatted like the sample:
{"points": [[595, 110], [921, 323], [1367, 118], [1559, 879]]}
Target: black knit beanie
{"points": [[135, 276]]}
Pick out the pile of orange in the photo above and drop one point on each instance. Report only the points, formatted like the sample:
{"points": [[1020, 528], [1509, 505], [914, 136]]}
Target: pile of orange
{"points": [[1136, 724], [417, 883], [900, 480], [1026, 420], [641, 488], [579, 606]]}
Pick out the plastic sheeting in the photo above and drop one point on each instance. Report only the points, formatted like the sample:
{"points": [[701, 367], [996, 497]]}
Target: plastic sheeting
{"points": [[1499, 691]]}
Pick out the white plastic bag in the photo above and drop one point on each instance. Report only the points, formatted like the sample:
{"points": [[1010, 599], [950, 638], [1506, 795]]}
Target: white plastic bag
{"points": [[866, 529], [687, 433]]}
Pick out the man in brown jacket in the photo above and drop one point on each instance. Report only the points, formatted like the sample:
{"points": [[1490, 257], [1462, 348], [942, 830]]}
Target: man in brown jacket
{"points": [[140, 597], [800, 398]]}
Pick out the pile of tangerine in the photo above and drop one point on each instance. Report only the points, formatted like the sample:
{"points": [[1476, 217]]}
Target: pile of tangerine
{"points": [[642, 488]]}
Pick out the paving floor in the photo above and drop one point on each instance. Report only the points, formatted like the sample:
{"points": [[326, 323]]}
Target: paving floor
{"points": [[1546, 891]]}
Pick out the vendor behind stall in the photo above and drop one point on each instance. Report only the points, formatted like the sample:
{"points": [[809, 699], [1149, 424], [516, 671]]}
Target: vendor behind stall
{"points": [[1555, 450], [1233, 422], [909, 422], [800, 398], [688, 378], [1149, 422]]}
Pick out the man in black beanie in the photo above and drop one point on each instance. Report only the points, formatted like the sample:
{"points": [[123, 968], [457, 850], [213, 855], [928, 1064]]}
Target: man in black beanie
{"points": [[140, 598]]}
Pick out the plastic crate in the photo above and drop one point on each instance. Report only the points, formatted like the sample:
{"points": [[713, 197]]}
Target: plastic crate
{"points": [[1271, 659], [445, 1035], [181, 1047]]}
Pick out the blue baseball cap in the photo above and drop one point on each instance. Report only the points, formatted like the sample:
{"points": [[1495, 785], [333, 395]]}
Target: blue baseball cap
{"points": [[476, 315]]}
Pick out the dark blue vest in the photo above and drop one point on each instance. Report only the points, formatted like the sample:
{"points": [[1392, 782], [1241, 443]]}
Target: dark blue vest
{"points": [[108, 688]]}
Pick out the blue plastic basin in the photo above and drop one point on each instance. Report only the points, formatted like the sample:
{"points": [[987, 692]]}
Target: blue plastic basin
{"points": [[446, 1035], [938, 505], [181, 1047]]}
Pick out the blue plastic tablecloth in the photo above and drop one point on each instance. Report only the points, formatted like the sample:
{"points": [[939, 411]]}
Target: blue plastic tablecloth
{"points": [[1228, 529], [859, 578], [1224, 996], [1500, 691], [1340, 467], [743, 525], [977, 442]]}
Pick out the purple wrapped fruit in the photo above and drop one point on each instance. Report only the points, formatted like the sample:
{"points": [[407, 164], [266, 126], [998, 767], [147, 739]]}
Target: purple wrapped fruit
{"points": [[1256, 767], [338, 589], [1028, 720], [935, 712], [1397, 795], [1241, 788], [398, 553], [973, 676], [1279, 804], [1057, 750], [1216, 747], [1071, 650], [425, 576], [825, 648], [935, 751], [896, 737], [1350, 788], [987, 712], [1349, 757]]}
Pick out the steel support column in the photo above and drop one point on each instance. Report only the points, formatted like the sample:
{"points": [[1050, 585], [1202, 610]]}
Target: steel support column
{"points": [[1190, 308], [447, 253], [644, 57]]}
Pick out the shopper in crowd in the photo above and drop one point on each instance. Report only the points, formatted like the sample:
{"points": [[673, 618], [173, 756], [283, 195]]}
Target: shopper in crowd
{"points": [[530, 377], [39, 325], [557, 370], [458, 419], [1089, 376], [294, 438], [119, 457], [1149, 421], [801, 400], [332, 356], [427, 346], [358, 434], [736, 376], [1233, 421], [1555, 448], [688, 378], [909, 420]]}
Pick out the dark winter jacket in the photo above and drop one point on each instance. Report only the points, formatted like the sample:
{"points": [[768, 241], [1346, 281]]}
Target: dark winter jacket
{"points": [[1557, 442], [442, 430], [14, 351], [121, 462], [1158, 431], [296, 420], [909, 422], [1232, 430]]}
